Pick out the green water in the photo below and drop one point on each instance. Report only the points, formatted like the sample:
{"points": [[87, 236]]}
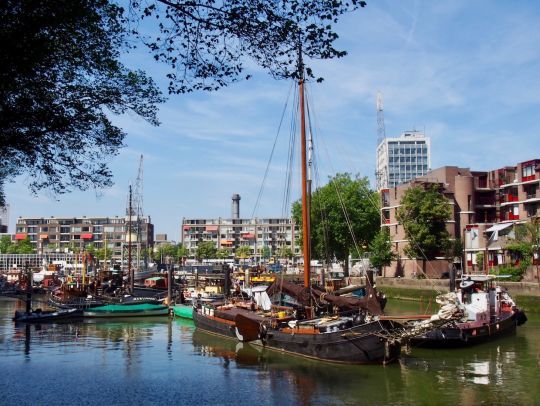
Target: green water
{"points": [[166, 362]]}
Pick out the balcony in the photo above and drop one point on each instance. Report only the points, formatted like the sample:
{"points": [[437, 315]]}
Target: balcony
{"points": [[509, 198]]}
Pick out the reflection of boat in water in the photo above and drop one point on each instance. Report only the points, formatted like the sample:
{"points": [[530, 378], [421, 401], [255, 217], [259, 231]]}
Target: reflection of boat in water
{"points": [[490, 313], [127, 310]]}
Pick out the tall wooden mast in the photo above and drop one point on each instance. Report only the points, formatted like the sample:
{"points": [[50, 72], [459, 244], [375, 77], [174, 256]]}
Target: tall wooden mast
{"points": [[131, 272], [305, 195]]}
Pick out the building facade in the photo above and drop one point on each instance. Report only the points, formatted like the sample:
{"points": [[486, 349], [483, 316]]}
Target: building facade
{"points": [[485, 206], [68, 233], [401, 159], [272, 233]]}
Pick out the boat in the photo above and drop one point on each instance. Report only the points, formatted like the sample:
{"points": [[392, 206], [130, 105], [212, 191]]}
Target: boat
{"points": [[355, 336], [184, 311], [43, 316], [490, 313], [127, 310]]}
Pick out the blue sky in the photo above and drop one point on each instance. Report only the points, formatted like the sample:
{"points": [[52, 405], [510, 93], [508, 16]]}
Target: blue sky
{"points": [[466, 72]]}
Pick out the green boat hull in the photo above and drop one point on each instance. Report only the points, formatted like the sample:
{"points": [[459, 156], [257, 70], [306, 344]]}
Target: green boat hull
{"points": [[185, 312], [131, 310]]}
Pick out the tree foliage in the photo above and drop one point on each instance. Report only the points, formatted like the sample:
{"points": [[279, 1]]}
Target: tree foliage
{"points": [[285, 252], [381, 249], [19, 247], [206, 250], [343, 204], [207, 43], [423, 214], [524, 247], [60, 77], [223, 253], [243, 252]]}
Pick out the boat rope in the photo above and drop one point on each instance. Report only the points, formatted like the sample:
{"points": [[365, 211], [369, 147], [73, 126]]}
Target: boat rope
{"points": [[261, 189], [452, 310]]}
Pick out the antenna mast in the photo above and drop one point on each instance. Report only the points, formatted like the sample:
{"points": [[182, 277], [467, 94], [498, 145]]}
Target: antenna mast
{"points": [[381, 132]]}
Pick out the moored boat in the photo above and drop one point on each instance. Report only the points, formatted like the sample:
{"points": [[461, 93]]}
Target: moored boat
{"points": [[183, 311], [321, 326], [490, 312], [42, 316], [127, 310]]}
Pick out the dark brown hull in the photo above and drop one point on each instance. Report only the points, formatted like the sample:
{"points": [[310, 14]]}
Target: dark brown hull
{"points": [[464, 337], [360, 344]]}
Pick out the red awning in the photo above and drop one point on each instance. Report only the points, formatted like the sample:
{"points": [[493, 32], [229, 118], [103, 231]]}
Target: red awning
{"points": [[248, 235], [211, 228], [43, 236], [21, 236], [187, 228], [226, 242], [86, 236]]}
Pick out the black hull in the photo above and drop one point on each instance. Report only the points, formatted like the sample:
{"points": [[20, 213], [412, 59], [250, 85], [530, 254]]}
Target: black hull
{"points": [[361, 344], [48, 316], [464, 337]]}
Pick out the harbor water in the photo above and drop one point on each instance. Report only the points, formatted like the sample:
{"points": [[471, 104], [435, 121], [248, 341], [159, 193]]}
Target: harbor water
{"points": [[165, 361]]}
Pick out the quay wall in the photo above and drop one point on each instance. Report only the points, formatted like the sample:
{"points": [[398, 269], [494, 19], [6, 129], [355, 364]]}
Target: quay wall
{"points": [[526, 294]]}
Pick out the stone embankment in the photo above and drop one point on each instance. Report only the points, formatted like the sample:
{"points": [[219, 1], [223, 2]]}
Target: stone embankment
{"points": [[526, 294]]}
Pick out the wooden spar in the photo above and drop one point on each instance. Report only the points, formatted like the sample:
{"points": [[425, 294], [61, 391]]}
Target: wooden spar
{"points": [[131, 273], [305, 196]]}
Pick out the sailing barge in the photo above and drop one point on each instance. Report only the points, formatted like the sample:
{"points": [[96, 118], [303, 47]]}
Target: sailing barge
{"points": [[357, 336]]}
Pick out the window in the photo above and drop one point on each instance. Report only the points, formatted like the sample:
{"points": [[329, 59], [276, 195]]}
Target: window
{"points": [[64, 230], [76, 229]]}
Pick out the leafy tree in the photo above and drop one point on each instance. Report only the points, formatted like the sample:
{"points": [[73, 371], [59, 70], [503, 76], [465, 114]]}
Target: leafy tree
{"points": [[341, 206], [265, 252], [103, 253], [61, 74], [243, 252], [206, 43], [22, 247], [285, 252], [223, 253], [524, 247], [206, 250], [5, 244], [163, 251], [61, 78], [181, 251], [423, 213], [381, 250]]}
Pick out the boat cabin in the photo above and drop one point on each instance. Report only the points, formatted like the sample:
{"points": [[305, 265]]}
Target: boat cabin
{"points": [[156, 282]]}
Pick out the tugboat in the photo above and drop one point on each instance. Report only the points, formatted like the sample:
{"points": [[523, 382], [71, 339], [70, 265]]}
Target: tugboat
{"points": [[490, 313]]}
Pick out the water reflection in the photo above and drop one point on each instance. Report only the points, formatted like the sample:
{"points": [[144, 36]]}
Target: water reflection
{"points": [[170, 359]]}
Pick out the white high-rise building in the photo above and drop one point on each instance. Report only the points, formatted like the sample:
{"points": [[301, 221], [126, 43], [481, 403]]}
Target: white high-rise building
{"points": [[401, 159]]}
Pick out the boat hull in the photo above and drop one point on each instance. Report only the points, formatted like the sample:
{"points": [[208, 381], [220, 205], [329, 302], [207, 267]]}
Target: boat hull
{"points": [[467, 336], [129, 310], [361, 344], [183, 311], [48, 316]]}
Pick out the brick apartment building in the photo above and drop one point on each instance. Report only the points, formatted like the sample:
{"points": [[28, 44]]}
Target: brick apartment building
{"points": [[485, 205]]}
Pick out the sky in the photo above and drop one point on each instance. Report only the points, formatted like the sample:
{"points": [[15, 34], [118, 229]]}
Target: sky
{"points": [[466, 73]]}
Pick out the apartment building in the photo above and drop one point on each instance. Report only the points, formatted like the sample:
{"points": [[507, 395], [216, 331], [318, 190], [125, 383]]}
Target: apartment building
{"points": [[273, 233], [402, 159], [485, 205], [65, 233]]}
